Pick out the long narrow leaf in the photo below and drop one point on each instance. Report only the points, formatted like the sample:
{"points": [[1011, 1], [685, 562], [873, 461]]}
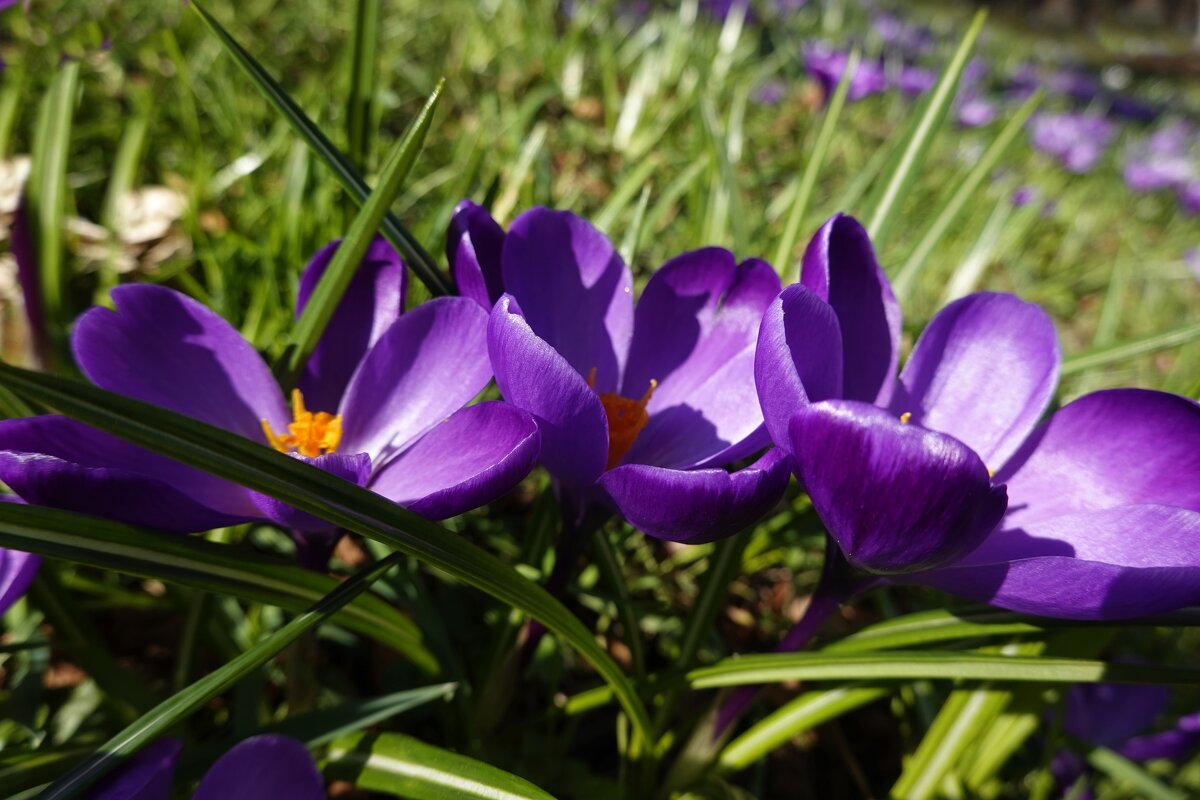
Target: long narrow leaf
{"points": [[362, 81], [1104, 356]]}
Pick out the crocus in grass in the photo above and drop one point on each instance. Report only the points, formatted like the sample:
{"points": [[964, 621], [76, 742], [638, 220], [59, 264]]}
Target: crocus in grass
{"points": [[826, 63], [638, 410], [380, 403], [266, 766], [1162, 160], [944, 477], [1076, 140]]}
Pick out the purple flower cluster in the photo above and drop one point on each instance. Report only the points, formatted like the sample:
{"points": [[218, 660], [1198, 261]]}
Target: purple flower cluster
{"points": [[1076, 140], [1166, 159]]}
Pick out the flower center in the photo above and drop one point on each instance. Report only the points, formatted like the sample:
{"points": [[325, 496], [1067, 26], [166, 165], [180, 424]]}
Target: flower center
{"points": [[309, 434], [626, 418]]}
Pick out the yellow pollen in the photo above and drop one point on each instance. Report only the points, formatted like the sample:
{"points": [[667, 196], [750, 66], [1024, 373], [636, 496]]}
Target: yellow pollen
{"points": [[308, 434], [626, 419], [905, 417]]}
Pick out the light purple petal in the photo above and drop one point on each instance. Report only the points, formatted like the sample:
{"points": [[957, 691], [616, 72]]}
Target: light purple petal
{"points": [[57, 462], [473, 246], [146, 776], [896, 498], [430, 363], [267, 766], [984, 372], [1111, 448], [464, 462], [574, 290], [369, 306], [533, 376], [700, 505], [798, 359], [840, 267], [695, 331], [165, 348], [17, 570], [354, 468]]}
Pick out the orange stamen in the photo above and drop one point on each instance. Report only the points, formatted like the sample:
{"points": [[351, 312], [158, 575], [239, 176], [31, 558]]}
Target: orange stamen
{"points": [[308, 434], [626, 419]]}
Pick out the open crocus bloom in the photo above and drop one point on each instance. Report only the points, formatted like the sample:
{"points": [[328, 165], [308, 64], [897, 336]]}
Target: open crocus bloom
{"points": [[380, 404], [259, 767], [638, 409], [944, 477]]}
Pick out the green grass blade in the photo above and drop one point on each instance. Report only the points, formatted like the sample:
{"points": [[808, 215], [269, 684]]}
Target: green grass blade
{"points": [[785, 256], [310, 489], [362, 82], [610, 568], [179, 706], [419, 260], [1102, 357], [203, 565], [329, 290], [916, 665], [904, 171], [406, 767], [633, 234], [1124, 771], [321, 727], [980, 172]]}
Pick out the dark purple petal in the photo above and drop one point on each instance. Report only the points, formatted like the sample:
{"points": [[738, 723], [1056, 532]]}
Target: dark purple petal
{"points": [[267, 766], [371, 303], [695, 331], [895, 497], [983, 371], [700, 505], [165, 348], [1106, 714], [533, 376], [58, 462], [1111, 448], [840, 267], [354, 468], [24, 249], [17, 570], [146, 776], [1177, 744], [430, 363], [573, 289], [464, 462], [473, 247], [798, 358]]}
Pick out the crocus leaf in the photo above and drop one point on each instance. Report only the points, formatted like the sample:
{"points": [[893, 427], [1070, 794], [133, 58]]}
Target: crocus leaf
{"points": [[362, 81], [179, 706], [417, 258], [1103, 356], [312, 490], [406, 767], [1126, 772], [323, 301], [203, 565]]}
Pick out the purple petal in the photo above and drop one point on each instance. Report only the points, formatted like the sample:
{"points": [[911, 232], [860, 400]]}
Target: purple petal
{"points": [[798, 359], [1177, 744], [146, 776], [473, 246], [695, 331], [57, 462], [700, 505], [574, 290], [1106, 714], [165, 348], [17, 570], [895, 497], [840, 266], [1107, 449], [371, 303], [533, 376], [264, 766], [430, 363], [1108, 564], [464, 462], [354, 468], [983, 371], [24, 249]]}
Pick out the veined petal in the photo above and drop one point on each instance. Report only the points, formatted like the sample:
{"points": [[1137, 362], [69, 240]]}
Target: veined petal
{"points": [[984, 371], [840, 267], [533, 376], [430, 363], [354, 468], [473, 246], [695, 330], [463, 462], [261, 767], [897, 498], [698, 505], [146, 776], [1111, 448], [369, 306], [574, 290], [798, 359], [165, 348]]}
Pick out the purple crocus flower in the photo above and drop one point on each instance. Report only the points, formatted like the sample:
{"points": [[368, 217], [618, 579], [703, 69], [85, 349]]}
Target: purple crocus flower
{"points": [[637, 410], [387, 390], [945, 478], [913, 79], [769, 93], [1162, 160], [1076, 141], [1189, 197], [263, 766], [827, 63]]}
